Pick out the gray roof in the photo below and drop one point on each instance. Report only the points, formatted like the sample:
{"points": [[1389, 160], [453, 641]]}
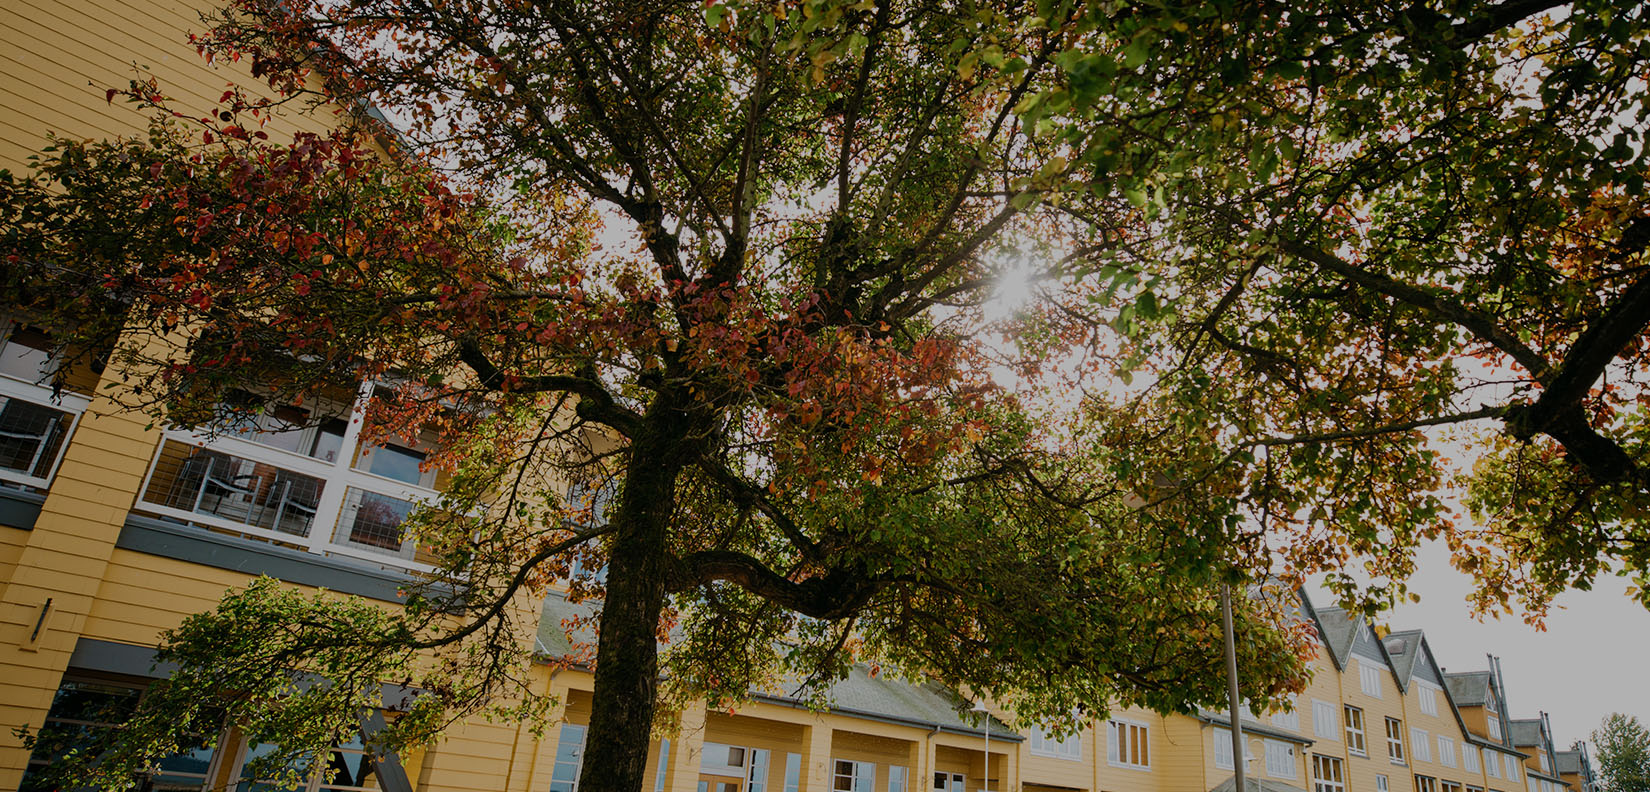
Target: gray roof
{"points": [[1340, 630], [859, 694], [1251, 725], [1470, 688], [1525, 732], [1251, 784], [1569, 761], [1403, 647]]}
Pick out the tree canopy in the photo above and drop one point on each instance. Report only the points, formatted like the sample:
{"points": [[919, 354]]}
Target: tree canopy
{"points": [[731, 261], [1623, 748]]}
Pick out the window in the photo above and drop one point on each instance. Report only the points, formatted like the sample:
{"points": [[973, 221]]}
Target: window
{"points": [[1325, 724], [898, 778], [793, 772], [1369, 678], [1469, 759], [725, 760], [1448, 786], [664, 764], [1475, 789], [1395, 740], [1069, 747], [1126, 744], [1328, 774], [1429, 699], [36, 418], [1512, 767], [82, 711], [1495, 727], [1446, 752], [1223, 748], [1492, 763], [1355, 730], [1280, 759], [949, 782], [1290, 720], [853, 776], [756, 779], [1425, 784], [1419, 745], [1381, 784], [564, 774], [1542, 757]]}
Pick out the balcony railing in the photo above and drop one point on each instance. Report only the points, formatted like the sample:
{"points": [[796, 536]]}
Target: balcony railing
{"points": [[35, 426], [331, 503]]}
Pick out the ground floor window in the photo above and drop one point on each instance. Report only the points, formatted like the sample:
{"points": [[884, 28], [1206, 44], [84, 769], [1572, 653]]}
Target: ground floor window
{"points": [[81, 714]]}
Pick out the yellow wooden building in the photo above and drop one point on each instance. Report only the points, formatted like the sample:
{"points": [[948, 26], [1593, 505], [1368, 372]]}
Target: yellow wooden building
{"points": [[111, 532]]}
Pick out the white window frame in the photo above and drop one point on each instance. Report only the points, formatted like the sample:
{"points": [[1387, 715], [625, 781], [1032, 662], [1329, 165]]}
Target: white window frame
{"points": [[1381, 783], [1426, 784], [1492, 763], [1356, 738], [1290, 719], [1123, 734], [1068, 748], [1446, 751], [340, 477], [1320, 763], [861, 776], [949, 782], [1280, 759], [1395, 741], [1512, 766], [903, 775], [1420, 745], [1326, 720], [569, 758], [1494, 725], [40, 395], [1469, 758]]}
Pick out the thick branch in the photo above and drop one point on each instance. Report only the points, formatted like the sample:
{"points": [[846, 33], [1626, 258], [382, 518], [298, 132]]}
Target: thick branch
{"points": [[745, 494], [595, 403], [835, 595]]}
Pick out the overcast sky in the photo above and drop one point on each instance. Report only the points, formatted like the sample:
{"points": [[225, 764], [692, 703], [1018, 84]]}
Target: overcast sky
{"points": [[1594, 658]]}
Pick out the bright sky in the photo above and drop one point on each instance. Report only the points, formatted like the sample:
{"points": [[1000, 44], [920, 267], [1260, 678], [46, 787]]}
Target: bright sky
{"points": [[1591, 661]]}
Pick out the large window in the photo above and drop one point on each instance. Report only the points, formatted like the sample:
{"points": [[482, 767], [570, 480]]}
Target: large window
{"points": [[1395, 740], [1328, 774], [851, 776], [1425, 784], [1069, 747], [1469, 758], [1223, 749], [1325, 723], [793, 772], [1355, 731], [1492, 763], [1512, 767], [1127, 744], [1290, 720], [899, 778], [1446, 752], [949, 782]]}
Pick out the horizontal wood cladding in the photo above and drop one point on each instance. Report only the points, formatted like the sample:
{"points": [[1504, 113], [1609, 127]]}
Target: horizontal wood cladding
{"points": [[59, 57]]}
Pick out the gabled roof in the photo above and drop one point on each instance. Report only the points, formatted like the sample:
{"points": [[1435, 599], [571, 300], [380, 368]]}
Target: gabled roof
{"points": [[860, 694], [1338, 629], [1403, 647], [1526, 732], [1568, 761], [1469, 688]]}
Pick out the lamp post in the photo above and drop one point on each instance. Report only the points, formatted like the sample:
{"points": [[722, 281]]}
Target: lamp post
{"points": [[985, 775], [1233, 700]]}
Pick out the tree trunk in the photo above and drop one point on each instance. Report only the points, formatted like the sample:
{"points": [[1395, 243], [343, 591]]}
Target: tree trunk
{"points": [[627, 669]]}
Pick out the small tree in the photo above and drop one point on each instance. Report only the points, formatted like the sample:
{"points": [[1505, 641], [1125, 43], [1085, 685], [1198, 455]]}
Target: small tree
{"points": [[1623, 748]]}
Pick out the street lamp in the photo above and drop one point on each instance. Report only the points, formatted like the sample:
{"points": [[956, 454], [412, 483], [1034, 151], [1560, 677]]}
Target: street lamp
{"points": [[985, 775]]}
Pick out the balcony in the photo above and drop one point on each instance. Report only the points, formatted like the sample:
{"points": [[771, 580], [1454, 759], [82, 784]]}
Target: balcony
{"points": [[298, 478]]}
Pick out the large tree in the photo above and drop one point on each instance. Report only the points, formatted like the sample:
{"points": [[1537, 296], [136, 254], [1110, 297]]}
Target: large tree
{"points": [[1304, 238], [774, 359], [1623, 748]]}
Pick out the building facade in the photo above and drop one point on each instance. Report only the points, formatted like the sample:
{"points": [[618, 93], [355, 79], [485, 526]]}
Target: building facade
{"points": [[112, 531]]}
